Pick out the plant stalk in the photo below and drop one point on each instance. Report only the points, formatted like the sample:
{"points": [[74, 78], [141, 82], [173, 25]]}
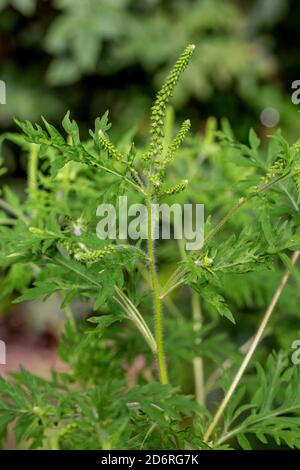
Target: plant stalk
{"points": [[251, 351], [198, 361], [197, 325], [157, 304], [32, 170], [13, 211]]}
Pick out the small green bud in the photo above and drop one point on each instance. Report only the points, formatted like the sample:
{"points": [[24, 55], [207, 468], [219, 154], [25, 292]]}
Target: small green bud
{"points": [[36, 231]]}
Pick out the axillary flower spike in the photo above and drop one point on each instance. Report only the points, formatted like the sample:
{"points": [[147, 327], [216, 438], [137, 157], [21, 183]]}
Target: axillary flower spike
{"points": [[110, 148], [185, 127]]}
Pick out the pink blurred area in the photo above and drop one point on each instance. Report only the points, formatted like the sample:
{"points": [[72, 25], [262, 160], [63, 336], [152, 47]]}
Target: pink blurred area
{"points": [[30, 335], [38, 360]]}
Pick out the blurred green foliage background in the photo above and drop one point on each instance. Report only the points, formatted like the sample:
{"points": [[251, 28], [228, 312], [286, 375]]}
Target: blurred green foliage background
{"points": [[93, 55]]}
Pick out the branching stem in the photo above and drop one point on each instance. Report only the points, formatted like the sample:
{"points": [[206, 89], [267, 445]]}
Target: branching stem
{"points": [[250, 352], [198, 368], [180, 272], [13, 211]]}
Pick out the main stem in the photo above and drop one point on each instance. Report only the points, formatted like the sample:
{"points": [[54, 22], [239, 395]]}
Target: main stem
{"points": [[32, 170], [157, 304]]}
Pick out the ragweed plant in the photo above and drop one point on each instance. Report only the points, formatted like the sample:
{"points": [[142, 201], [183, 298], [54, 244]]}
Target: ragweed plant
{"points": [[49, 247]]}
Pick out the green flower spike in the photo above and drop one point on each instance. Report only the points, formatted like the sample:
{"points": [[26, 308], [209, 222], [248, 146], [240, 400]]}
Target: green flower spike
{"points": [[110, 148], [162, 99], [296, 176], [178, 188], [185, 127], [81, 253], [94, 256], [276, 169]]}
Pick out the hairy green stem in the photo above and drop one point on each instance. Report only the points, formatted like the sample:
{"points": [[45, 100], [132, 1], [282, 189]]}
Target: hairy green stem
{"points": [[169, 303], [32, 170], [13, 211], [157, 304]]}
